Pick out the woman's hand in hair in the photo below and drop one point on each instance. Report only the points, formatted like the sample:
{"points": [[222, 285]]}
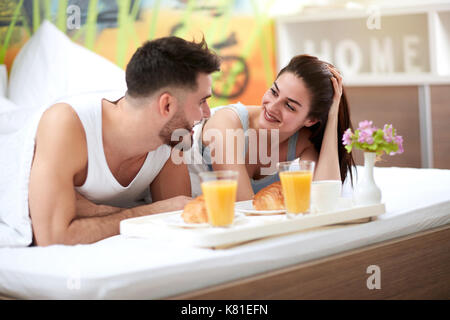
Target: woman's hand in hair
{"points": [[337, 86]]}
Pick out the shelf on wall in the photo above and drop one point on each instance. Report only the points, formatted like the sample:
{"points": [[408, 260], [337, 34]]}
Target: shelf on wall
{"points": [[365, 80], [388, 47]]}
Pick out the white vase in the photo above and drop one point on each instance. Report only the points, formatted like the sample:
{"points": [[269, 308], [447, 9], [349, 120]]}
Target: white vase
{"points": [[366, 191]]}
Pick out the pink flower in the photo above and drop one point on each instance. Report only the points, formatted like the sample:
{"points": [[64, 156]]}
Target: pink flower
{"points": [[372, 139], [387, 130], [347, 137], [365, 124], [399, 141], [367, 127], [365, 136]]}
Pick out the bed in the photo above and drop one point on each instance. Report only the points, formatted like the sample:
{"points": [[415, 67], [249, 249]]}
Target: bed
{"points": [[409, 243]]}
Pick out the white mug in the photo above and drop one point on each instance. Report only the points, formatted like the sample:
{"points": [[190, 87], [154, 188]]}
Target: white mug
{"points": [[325, 195]]}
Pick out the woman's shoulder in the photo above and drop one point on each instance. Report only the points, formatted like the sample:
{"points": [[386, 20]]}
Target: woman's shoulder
{"points": [[253, 111], [230, 116], [224, 120], [223, 117]]}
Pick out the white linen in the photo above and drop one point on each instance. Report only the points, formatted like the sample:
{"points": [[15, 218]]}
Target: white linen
{"points": [[17, 147], [50, 66], [3, 80], [13, 117], [128, 268], [6, 105], [17, 128]]}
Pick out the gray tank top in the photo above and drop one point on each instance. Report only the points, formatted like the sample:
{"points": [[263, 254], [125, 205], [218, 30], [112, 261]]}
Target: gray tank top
{"points": [[259, 184]]}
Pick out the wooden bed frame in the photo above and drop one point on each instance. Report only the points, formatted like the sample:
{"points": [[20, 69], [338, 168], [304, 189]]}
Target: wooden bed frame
{"points": [[416, 266]]}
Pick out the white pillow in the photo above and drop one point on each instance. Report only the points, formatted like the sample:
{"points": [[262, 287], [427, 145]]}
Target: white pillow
{"points": [[13, 117], [50, 66], [3, 80], [6, 105]]}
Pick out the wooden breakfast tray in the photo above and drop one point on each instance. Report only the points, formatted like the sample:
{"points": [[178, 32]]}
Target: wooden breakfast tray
{"points": [[245, 228]]}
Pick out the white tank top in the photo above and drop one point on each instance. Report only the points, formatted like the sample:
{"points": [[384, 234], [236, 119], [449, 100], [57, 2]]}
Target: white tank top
{"points": [[101, 186]]}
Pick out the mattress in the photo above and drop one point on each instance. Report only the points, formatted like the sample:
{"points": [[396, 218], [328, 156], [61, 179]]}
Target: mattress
{"points": [[132, 268]]}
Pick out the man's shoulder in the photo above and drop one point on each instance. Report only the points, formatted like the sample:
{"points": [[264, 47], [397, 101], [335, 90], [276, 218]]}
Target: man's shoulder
{"points": [[61, 116], [60, 129]]}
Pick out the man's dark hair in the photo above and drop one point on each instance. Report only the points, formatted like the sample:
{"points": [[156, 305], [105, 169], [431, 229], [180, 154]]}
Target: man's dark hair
{"points": [[168, 61]]}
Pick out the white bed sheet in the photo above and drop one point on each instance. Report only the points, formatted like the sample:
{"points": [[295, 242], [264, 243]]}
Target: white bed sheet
{"points": [[130, 268]]}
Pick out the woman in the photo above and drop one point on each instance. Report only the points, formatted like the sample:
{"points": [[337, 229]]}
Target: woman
{"points": [[305, 107]]}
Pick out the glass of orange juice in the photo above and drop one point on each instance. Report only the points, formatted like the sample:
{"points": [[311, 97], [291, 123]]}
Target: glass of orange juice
{"points": [[219, 190], [296, 178]]}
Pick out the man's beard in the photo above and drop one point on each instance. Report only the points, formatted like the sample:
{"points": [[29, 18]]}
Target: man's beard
{"points": [[177, 132]]}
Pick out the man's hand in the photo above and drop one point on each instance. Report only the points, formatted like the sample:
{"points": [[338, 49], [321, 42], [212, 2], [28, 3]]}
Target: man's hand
{"points": [[175, 203], [172, 204]]}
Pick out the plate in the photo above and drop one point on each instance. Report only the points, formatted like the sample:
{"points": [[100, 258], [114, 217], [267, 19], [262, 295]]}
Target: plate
{"points": [[177, 221], [246, 207]]}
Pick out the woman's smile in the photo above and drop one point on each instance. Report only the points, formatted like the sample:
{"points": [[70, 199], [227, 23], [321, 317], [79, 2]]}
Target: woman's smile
{"points": [[270, 117]]}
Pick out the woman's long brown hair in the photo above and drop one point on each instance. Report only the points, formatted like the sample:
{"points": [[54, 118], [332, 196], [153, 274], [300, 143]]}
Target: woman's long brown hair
{"points": [[316, 76]]}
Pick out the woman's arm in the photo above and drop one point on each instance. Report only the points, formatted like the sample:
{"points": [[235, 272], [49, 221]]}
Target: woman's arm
{"points": [[223, 133], [173, 180], [327, 166]]}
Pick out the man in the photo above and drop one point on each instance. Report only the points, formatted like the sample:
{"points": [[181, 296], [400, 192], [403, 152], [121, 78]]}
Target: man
{"points": [[95, 159]]}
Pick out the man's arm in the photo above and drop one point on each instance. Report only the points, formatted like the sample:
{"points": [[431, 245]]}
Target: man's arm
{"points": [[60, 153], [86, 208]]}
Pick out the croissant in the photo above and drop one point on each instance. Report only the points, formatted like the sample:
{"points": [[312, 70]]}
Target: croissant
{"points": [[195, 211], [269, 198]]}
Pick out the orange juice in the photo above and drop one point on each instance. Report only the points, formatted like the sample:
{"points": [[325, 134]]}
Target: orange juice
{"points": [[220, 196], [296, 190]]}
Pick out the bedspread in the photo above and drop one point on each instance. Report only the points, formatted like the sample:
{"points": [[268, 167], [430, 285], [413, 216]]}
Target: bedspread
{"points": [[132, 268], [16, 155]]}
